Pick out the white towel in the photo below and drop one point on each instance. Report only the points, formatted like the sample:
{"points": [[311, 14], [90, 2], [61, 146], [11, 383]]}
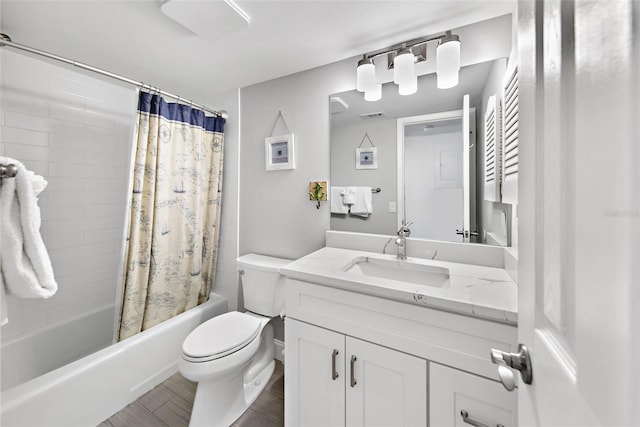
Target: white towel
{"points": [[24, 261], [335, 198], [348, 195], [362, 201]]}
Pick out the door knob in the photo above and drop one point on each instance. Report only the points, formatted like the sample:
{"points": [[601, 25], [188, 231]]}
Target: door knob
{"points": [[508, 361], [466, 233]]}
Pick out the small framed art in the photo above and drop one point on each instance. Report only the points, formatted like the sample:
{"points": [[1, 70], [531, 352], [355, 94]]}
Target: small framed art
{"points": [[279, 152], [367, 158]]}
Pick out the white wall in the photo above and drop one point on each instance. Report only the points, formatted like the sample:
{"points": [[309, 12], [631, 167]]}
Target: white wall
{"points": [[276, 216], [75, 131]]}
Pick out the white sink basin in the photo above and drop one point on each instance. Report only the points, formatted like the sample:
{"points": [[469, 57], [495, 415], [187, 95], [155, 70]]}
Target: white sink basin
{"points": [[402, 271]]}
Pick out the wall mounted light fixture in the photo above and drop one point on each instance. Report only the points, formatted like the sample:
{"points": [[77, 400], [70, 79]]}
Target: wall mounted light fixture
{"points": [[448, 61], [366, 80], [402, 59]]}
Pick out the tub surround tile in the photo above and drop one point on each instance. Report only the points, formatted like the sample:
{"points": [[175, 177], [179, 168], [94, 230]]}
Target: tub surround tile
{"points": [[74, 130]]}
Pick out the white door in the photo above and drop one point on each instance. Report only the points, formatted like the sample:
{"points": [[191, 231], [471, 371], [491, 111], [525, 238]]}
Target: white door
{"points": [[436, 174], [384, 387], [579, 211], [314, 376], [466, 172]]}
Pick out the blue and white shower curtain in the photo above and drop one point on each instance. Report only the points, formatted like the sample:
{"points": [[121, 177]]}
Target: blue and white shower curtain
{"points": [[174, 220]]}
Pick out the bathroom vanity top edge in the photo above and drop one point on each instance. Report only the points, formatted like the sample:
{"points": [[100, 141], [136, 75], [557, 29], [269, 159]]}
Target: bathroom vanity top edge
{"points": [[477, 291]]}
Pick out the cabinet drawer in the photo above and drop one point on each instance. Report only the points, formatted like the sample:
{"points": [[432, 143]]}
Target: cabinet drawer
{"points": [[452, 391]]}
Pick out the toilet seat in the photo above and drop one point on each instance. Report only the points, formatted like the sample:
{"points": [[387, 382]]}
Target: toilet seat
{"points": [[220, 336]]}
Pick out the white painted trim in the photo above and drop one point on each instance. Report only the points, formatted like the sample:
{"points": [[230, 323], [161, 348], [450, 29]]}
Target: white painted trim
{"points": [[279, 350], [238, 175], [409, 120]]}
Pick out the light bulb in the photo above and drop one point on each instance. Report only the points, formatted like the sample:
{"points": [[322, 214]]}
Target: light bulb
{"points": [[408, 87], [374, 93], [447, 80]]}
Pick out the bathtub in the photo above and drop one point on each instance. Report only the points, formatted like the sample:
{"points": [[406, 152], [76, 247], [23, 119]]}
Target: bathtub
{"points": [[90, 390], [30, 356]]}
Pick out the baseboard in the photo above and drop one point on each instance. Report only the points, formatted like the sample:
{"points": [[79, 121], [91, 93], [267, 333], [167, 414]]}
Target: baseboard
{"points": [[279, 350]]}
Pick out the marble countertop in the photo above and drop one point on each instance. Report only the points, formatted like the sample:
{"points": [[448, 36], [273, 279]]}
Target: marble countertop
{"points": [[474, 290]]}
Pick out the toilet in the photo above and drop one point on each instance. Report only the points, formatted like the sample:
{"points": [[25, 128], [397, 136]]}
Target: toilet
{"points": [[231, 356]]}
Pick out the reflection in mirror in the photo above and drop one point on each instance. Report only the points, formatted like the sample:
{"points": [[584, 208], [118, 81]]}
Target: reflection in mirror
{"points": [[433, 173], [420, 157]]}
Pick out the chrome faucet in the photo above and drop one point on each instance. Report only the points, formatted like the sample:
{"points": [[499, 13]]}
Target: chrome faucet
{"points": [[401, 241]]}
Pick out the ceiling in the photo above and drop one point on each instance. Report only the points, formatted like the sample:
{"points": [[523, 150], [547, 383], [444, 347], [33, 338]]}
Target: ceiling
{"points": [[135, 39]]}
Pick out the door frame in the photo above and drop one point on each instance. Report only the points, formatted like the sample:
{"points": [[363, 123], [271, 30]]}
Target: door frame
{"points": [[425, 118]]}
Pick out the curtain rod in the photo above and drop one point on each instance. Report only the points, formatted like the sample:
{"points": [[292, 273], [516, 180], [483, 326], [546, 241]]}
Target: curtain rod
{"points": [[5, 40]]}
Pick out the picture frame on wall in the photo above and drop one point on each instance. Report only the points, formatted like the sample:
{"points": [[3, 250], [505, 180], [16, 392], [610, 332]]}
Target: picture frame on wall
{"points": [[279, 152], [367, 158]]}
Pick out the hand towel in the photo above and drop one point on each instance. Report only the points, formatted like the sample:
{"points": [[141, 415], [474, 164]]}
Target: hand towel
{"points": [[337, 206], [348, 195], [24, 261], [363, 202]]}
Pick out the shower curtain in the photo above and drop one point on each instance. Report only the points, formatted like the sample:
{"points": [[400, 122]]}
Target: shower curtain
{"points": [[175, 212]]}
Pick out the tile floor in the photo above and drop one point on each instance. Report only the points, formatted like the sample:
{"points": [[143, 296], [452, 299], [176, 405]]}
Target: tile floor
{"points": [[169, 405]]}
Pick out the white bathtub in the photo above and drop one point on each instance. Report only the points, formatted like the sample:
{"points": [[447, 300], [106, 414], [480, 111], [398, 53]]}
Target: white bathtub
{"points": [[90, 390], [32, 355]]}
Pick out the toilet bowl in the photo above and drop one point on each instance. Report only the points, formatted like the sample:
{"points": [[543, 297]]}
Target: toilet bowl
{"points": [[231, 356]]}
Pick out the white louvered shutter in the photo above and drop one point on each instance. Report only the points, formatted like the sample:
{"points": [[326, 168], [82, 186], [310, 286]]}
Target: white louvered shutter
{"points": [[510, 137], [492, 146]]}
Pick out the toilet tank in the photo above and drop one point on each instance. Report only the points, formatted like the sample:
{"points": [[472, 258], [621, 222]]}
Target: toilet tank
{"points": [[262, 284]]}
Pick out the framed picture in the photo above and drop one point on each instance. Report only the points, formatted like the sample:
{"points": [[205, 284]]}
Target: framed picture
{"points": [[279, 152], [367, 158]]}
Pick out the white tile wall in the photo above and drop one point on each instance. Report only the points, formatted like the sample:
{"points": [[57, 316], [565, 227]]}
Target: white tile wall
{"points": [[75, 130]]}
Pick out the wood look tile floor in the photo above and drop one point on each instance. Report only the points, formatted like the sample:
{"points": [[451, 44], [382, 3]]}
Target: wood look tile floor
{"points": [[169, 404]]}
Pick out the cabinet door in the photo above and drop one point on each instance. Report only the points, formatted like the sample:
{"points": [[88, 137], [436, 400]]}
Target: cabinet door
{"points": [[315, 395], [384, 387], [452, 391]]}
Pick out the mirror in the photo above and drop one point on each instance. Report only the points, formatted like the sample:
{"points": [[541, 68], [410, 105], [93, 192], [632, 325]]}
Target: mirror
{"points": [[420, 157]]}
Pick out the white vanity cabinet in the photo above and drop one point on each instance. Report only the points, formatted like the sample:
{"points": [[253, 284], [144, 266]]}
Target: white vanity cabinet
{"points": [[413, 365], [338, 380]]}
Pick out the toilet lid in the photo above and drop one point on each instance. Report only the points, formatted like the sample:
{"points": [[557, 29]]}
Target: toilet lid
{"points": [[226, 333]]}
